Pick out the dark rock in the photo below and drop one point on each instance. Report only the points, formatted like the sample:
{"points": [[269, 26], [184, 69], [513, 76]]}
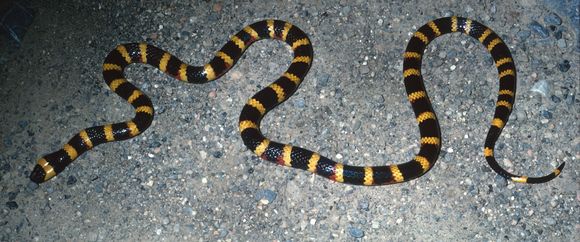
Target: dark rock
{"points": [[71, 180], [22, 124], [564, 66], [546, 114], [12, 205], [558, 34], [5, 167], [217, 154], [12, 196]]}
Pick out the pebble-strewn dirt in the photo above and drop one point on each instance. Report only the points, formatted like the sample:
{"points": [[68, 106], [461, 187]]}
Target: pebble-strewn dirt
{"points": [[189, 176]]}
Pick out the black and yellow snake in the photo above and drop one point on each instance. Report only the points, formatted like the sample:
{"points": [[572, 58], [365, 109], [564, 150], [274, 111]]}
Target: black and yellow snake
{"points": [[279, 91]]}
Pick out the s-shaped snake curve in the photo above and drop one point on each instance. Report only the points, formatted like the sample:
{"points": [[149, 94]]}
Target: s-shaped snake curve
{"points": [[280, 90]]}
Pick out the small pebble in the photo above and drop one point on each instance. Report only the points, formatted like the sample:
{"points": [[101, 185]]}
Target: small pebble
{"points": [[356, 232], [203, 154], [348, 190], [12, 196], [561, 43], [345, 10], [564, 66], [555, 99], [500, 181], [542, 87], [539, 29], [212, 94], [364, 70], [313, 221], [322, 80], [550, 221], [553, 19], [299, 103], [379, 100], [570, 99], [99, 188], [451, 54], [468, 8], [32, 185], [524, 34], [265, 196], [154, 36], [71, 180], [189, 211], [471, 190], [217, 154], [546, 114], [217, 7], [508, 163], [12, 205], [23, 123], [5, 168], [363, 205]]}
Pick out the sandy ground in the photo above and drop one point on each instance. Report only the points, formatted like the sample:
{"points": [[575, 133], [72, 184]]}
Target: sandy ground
{"points": [[189, 176]]}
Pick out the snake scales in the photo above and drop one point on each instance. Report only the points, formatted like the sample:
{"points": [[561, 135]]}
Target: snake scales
{"points": [[280, 90]]}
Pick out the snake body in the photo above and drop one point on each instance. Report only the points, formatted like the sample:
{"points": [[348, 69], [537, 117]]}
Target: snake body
{"points": [[280, 90]]}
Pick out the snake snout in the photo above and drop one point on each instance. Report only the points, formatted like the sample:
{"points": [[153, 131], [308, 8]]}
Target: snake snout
{"points": [[37, 175]]}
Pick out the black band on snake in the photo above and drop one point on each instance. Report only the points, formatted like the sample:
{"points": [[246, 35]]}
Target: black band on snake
{"points": [[281, 89]]}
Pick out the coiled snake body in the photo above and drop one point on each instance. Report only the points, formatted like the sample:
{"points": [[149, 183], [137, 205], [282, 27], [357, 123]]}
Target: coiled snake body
{"points": [[280, 90]]}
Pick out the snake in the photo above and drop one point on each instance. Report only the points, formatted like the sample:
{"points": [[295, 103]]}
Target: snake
{"points": [[254, 110]]}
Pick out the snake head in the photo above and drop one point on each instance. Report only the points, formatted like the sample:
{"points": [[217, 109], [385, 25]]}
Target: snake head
{"points": [[37, 175], [42, 171]]}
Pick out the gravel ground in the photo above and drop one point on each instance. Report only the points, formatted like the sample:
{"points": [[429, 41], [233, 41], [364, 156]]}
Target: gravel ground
{"points": [[189, 176]]}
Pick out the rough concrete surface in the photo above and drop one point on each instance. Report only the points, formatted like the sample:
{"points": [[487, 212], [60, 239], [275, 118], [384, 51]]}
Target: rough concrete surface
{"points": [[189, 176]]}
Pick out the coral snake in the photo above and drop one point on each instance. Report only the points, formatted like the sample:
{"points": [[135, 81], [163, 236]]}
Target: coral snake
{"points": [[280, 90]]}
